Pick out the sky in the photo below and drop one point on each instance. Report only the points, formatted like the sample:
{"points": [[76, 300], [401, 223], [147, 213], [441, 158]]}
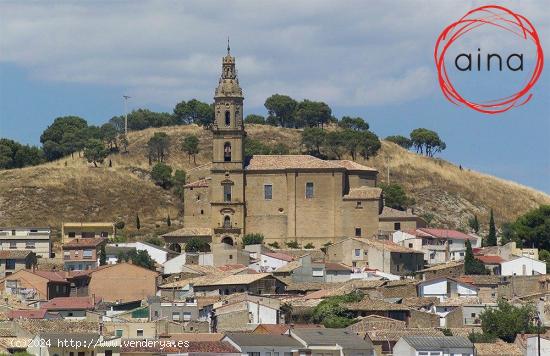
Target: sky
{"points": [[370, 59]]}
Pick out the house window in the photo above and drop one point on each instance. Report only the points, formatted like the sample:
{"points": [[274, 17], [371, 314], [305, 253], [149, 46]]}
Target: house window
{"points": [[410, 245], [88, 234], [309, 190], [268, 192], [253, 353], [358, 205], [72, 234], [227, 118], [29, 244], [450, 242], [13, 244], [139, 332], [357, 252], [397, 226], [186, 316], [226, 192], [118, 332], [108, 352], [227, 152], [175, 316], [10, 264], [156, 313], [462, 254], [227, 222], [87, 254], [317, 272], [357, 232], [104, 234]]}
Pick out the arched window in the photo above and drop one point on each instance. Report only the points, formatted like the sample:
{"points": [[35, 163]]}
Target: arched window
{"points": [[227, 152], [227, 240], [227, 222], [226, 192], [227, 118]]}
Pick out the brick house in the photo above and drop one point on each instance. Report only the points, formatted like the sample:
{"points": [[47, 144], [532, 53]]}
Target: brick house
{"points": [[37, 285], [82, 253], [12, 261]]}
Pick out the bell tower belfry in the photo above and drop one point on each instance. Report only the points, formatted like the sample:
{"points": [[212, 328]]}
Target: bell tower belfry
{"points": [[227, 173]]}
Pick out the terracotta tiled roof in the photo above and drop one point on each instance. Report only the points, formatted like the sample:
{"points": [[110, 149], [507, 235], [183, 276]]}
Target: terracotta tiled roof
{"points": [[14, 254], [396, 334], [65, 303], [235, 279], [196, 336], [459, 301], [84, 242], [368, 304], [275, 329], [388, 212], [491, 260], [363, 193], [279, 256], [201, 183], [482, 279], [386, 245], [232, 267], [37, 326], [376, 322], [53, 276], [190, 231], [445, 233], [27, 314], [283, 162], [418, 302], [289, 267], [498, 348], [330, 266], [352, 166], [211, 347], [442, 266]]}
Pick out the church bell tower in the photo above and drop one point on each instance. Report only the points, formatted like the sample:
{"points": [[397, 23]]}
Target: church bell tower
{"points": [[227, 173]]}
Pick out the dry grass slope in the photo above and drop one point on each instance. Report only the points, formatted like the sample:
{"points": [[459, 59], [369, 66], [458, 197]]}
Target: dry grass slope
{"points": [[71, 190]]}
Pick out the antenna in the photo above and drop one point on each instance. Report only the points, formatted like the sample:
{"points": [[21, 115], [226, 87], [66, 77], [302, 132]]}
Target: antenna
{"points": [[126, 97]]}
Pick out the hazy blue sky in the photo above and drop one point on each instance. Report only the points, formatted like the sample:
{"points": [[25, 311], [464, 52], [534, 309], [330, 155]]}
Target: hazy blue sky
{"points": [[368, 59]]}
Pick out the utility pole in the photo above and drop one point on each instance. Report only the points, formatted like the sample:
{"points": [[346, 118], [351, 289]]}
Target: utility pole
{"points": [[126, 97]]}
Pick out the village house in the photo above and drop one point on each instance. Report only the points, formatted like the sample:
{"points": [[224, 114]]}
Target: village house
{"points": [[71, 308], [270, 261], [177, 310], [82, 253], [384, 256], [434, 345], [36, 285], [263, 344], [245, 312], [12, 261], [131, 330], [445, 287], [384, 340], [35, 239], [333, 342], [449, 269], [438, 245], [84, 230], [180, 262], [522, 266], [255, 283], [391, 220]]}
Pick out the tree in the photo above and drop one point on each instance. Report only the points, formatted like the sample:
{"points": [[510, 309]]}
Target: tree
{"points": [[179, 182], [395, 196], [507, 320], [274, 244], [154, 240], [254, 119], [313, 138], [492, 237], [190, 146], [335, 144], [400, 140], [370, 144], [95, 151], [119, 225], [255, 147], [162, 175], [109, 136], [332, 313], [53, 142], [102, 256], [312, 114], [279, 149], [168, 221], [353, 123], [138, 224], [474, 224], [533, 228], [196, 244], [253, 239], [194, 112], [471, 264], [281, 109], [158, 146], [427, 141], [15, 155], [544, 255], [141, 258]]}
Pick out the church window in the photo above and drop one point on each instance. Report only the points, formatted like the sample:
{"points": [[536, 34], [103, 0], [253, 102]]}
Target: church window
{"points": [[227, 118], [397, 226], [309, 190], [227, 152], [226, 192], [227, 222], [357, 232], [268, 192]]}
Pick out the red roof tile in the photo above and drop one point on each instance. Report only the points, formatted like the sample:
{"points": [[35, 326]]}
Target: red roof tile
{"points": [[64, 303], [279, 256], [53, 276], [231, 267], [84, 242], [329, 266], [26, 314], [129, 345], [491, 260], [446, 234]]}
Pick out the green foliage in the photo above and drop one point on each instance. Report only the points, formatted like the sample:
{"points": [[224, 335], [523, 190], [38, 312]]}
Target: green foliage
{"points": [[335, 144], [109, 135], [257, 147], [254, 119], [492, 237], [280, 109], [292, 244], [253, 239], [190, 146], [507, 320], [139, 258], [353, 123], [476, 337], [474, 224], [142, 119], [168, 221], [427, 141], [102, 256], [138, 223], [158, 146], [332, 313], [65, 135], [196, 244], [544, 255], [179, 182], [428, 217], [532, 229], [400, 140], [194, 112], [313, 139], [370, 144], [471, 264], [162, 175], [119, 225], [312, 114], [95, 151], [309, 246], [15, 155], [155, 240], [447, 332], [274, 244], [395, 196]]}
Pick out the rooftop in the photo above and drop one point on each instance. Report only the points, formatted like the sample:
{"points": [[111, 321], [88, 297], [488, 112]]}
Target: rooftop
{"points": [[201, 183], [352, 166], [323, 337], [237, 279], [279, 256], [289, 162], [267, 340], [498, 348], [37, 326], [368, 304], [426, 343], [364, 192], [14, 254], [84, 242], [388, 212], [446, 234], [65, 303], [395, 334], [190, 231], [491, 260]]}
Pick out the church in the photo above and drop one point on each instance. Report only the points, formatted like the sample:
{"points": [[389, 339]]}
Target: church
{"points": [[283, 197]]}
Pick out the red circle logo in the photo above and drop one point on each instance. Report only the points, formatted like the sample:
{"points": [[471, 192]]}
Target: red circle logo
{"points": [[502, 19]]}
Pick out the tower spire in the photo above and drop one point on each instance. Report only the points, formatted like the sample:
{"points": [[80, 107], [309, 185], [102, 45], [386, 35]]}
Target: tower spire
{"points": [[228, 48]]}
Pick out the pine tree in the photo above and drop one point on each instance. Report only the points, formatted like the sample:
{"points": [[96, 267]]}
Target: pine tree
{"points": [[138, 225], [471, 264], [492, 237], [102, 256], [474, 224]]}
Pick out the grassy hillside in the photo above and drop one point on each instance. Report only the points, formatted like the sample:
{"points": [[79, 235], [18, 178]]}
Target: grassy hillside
{"points": [[72, 190]]}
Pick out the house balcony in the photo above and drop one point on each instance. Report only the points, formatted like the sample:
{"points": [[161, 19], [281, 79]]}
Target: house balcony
{"points": [[227, 230]]}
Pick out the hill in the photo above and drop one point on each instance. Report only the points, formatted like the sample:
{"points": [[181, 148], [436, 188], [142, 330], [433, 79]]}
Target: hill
{"points": [[70, 189]]}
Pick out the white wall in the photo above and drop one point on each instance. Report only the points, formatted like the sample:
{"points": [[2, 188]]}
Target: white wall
{"points": [[436, 288], [532, 346], [158, 255], [262, 314], [269, 264], [174, 265], [515, 267], [465, 290]]}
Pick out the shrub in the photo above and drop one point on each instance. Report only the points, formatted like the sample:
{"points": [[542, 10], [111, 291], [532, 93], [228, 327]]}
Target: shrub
{"points": [[196, 244], [292, 244], [309, 246], [274, 244], [253, 239]]}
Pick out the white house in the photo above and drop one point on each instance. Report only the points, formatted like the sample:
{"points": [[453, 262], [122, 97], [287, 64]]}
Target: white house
{"points": [[522, 266], [433, 346], [175, 265], [35, 239], [263, 344], [532, 345], [270, 261], [445, 287]]}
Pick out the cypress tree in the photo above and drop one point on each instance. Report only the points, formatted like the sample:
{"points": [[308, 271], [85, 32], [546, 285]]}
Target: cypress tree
{"points": [[492, 237], [138, 225], [168, 221], [102, 256], [471, 264]]}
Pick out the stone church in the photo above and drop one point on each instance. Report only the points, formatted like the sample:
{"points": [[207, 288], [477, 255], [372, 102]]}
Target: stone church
{"points": [[284, 197]]}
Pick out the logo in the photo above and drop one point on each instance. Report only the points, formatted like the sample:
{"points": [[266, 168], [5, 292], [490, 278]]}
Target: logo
{"points": [[454, 63]]}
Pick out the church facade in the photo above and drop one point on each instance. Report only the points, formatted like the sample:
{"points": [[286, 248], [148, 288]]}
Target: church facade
{"points": [[284, 197]]}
